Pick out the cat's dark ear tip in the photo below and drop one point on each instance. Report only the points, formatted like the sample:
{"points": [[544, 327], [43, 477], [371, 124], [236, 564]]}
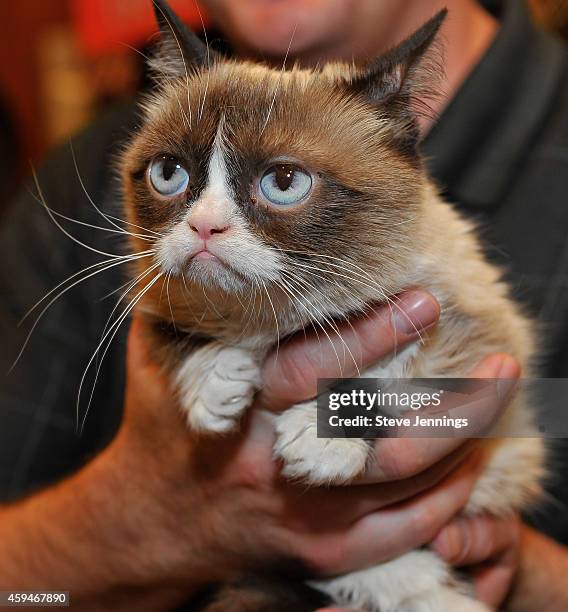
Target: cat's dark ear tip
{"points": [[161, 11], [180, 46], [442, 13], [439, 18], [423, 37]]}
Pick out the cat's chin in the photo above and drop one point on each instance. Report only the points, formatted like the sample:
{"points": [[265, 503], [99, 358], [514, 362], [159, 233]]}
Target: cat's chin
{"points": [[210, 271]]}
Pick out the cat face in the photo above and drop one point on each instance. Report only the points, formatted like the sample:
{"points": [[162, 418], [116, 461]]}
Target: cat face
{"points": [[304, 185]]}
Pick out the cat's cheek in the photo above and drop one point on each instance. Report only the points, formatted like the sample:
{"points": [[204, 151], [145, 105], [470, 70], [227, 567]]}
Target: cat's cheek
{"points": [[174, 249]]}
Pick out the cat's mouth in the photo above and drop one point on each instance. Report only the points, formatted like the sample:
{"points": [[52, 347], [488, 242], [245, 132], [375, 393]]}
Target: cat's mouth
{"points": [[206, 255], [208, 266]]}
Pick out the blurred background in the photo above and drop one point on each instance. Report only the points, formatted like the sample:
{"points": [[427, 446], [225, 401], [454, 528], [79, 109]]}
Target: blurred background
{"points": [[64, 61], [61, 63]]}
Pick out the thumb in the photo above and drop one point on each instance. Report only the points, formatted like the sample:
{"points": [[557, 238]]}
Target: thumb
{"points": [[137, 353], [143, 375]]}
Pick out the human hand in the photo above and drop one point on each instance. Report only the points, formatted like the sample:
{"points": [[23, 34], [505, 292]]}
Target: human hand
{"points": [[180, 478], [160, 512], [200, 501], [511, 564], [291, 376], [487, 548]]}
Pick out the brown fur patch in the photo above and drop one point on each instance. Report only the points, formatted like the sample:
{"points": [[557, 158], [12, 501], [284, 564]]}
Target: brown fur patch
{"points": [[366, 193]]}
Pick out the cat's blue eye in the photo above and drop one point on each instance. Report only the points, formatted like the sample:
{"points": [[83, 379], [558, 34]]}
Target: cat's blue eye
{"points": [[285, 184], [167, 176]]}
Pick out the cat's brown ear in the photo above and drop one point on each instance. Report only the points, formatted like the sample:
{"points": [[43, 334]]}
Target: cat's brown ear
{"points": [[393, 74], [180, 50], [402, 82]]}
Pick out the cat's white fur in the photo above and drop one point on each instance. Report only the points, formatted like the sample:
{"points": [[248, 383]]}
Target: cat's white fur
{"points": [[217, 384], [418, 581]]}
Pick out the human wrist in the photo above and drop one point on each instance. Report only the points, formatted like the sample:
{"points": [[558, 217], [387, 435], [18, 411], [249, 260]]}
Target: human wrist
{"points": [[146, 532], [91, 535], [540, 580]]}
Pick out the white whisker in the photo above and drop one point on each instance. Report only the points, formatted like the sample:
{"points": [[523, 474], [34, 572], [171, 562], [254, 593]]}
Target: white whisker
{"points": [[52, 216], [59, 295], [372, 285], [326, 319], [275, 316], [200, 114], [168, 279], [129, 286], [314, 319], [108, 218], [91, 225], [113, 329], [276, 89], [182, 57], [122, 259], [132, 283]]}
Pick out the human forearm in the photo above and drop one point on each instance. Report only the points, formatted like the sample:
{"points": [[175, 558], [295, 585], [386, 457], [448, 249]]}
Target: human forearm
{"points": [[160, 509], [541, 580], [82, 536]]}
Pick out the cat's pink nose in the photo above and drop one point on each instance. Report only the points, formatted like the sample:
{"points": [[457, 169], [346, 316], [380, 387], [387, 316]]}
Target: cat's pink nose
{"points": [[206, 229]]}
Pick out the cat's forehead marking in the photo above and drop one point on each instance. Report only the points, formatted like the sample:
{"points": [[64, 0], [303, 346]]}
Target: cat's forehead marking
{"points": [[216, 201], [217, 179]]}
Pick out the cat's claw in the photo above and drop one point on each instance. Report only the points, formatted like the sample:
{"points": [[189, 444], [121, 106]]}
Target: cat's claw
{"points": [[315, 460]]}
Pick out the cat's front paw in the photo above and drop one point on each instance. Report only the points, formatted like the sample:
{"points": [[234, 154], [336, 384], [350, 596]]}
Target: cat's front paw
{"points": [[445, 600], [216, 401], [418, 581], [316, 460]]}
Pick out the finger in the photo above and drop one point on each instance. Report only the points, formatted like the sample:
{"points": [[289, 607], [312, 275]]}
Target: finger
{"points": [[338, 507], [468, 541], [291, 373], [397, 529], [151, 411], [399, 458], [493, 581]]}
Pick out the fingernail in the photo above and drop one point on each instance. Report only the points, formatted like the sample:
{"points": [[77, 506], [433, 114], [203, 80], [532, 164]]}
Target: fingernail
{"points": [[509, 368], [414, 312], [508, 375]]}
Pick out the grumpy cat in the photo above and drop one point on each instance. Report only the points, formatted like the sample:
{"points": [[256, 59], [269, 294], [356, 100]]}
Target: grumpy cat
{"points": [[276, 199]]}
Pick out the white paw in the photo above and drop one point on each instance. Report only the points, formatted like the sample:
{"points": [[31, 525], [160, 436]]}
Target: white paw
{"points": [[312, 459], [442, 600], [226, 387], [418, 581]]}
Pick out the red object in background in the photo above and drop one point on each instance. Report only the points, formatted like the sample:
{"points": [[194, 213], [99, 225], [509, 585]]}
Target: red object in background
{"points": [[105, 26]]}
